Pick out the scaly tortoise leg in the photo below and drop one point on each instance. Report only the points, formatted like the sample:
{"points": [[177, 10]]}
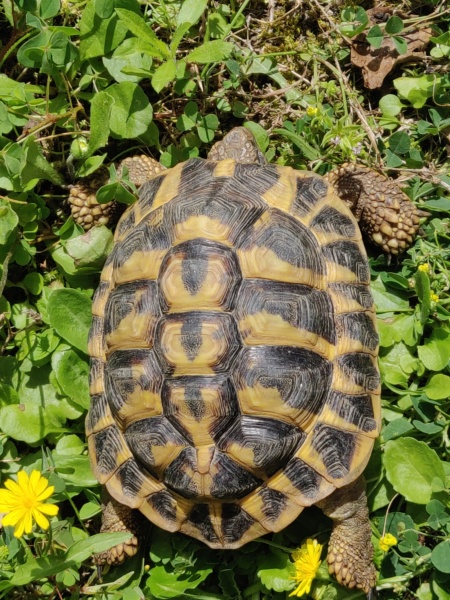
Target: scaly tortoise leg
{"points": [[118, 517], [385, 214], [350, 550]]}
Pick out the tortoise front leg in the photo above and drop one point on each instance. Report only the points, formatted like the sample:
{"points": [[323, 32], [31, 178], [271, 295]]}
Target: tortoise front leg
{"points": [[350, 550], [118, 517]]}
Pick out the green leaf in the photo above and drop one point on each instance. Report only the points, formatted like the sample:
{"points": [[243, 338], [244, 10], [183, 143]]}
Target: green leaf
{"points": [[390, 105], [131, 112], [400, 44], [209, 52], [440, 556], [435, 353], [129, 62], [438, 387], [72, 373], [424, 294], [35, 569], [396, 429], [137, 25], [8, 222], [171, 584], [164, 74], [101, 106], [28, 422], [411, 466], [90, 249], [417, 90], [191, 11], [70, 314], [178, 36], [99, 37], [306, 149], [399, 142], [35, 167], [275, 571], [8, 395], [394, 25], [260, 134], [375, 36], [104, 8], [385, 299]]}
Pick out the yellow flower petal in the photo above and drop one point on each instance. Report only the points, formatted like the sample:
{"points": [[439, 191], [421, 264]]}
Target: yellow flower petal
{"points": [[13, 487], [35, 478], [49, 509], [13, 517], [40, 519], [23, 481], [23, 502], [7, 500]]}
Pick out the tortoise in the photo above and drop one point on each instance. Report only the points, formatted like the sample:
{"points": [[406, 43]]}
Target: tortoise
{"points": [[233, 347]]}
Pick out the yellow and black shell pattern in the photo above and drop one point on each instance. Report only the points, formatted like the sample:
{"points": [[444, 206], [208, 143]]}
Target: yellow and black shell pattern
{"points": [[233, 349]]}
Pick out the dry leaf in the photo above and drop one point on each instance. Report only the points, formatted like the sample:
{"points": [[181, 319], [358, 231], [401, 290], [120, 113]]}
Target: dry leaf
{"points": [[376, 63]]}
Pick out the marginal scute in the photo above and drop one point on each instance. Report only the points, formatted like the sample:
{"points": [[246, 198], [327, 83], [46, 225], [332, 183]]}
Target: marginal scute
{"points": [[233, 350]]}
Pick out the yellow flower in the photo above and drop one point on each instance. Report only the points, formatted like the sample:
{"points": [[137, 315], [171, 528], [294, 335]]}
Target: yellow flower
{"points": [[386, 541], [24, 502], [311, 111], [434, 298], [425, 268], [306, 561]]}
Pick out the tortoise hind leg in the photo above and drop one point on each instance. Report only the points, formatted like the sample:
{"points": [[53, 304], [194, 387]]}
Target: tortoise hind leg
{"points": [[118, 517], [350, 550]]}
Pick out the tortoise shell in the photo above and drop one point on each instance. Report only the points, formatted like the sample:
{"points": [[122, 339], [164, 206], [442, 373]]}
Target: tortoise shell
{"points": [[233, 349]]}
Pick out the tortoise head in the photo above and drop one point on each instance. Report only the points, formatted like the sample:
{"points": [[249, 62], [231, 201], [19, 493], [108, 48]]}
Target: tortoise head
{"points": [[240, 145]]}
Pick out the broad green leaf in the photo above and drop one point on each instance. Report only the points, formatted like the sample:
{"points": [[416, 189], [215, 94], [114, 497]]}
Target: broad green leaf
{"points": [[400, 44], [170, 584], [164, 74], [435, 353], [261, 136], [411, 466], [127, 60], [101, 106], [375, 36], [72, 373], [394, 25], [440, 556], [385, 298], [28, 422], [396, 429], [275, 571], [417, 90], [99, 37], [8, 222], [137, 25], [131, 111], [191, 11], [90, 249], [34, 282], [35, 569], [209, 52], [35, 167], [397, 364], [8, 395], [390, 105], [438, 387], [103, 8], [399, 142], [75, 470], [70, 314]]}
